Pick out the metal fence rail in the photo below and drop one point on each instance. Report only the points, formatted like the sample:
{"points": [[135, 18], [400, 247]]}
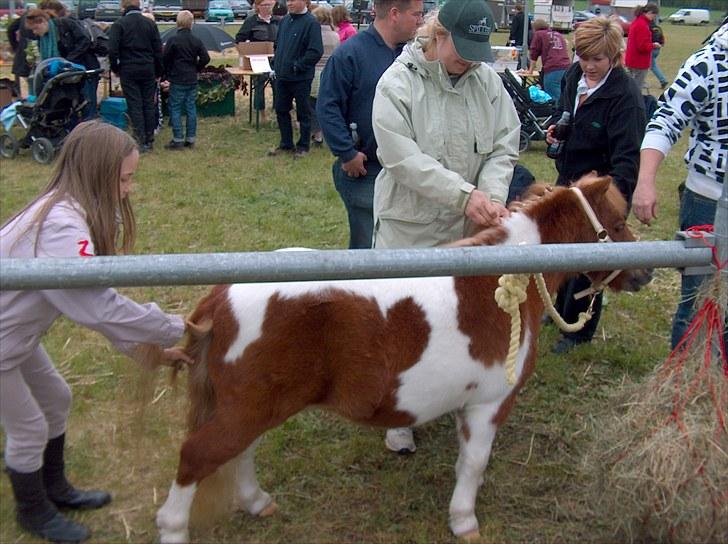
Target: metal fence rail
{"points": [[211, 268]]}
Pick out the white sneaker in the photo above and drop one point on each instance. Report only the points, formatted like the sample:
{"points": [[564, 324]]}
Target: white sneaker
{"points": [[400, 440]]}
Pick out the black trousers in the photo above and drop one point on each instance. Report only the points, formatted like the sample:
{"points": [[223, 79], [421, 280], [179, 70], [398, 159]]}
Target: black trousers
{"points": [[286, 93], [570, 308], [140, 92]]}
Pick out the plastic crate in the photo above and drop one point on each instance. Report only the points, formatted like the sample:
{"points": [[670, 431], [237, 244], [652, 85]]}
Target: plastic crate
{"points": [[113, 111]]}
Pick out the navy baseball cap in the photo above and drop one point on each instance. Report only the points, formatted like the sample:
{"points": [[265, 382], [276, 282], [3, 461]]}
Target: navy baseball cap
{"points": [[470, 23]]}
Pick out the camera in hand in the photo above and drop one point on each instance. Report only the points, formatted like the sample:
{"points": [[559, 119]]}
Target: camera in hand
{"points": [[560, 134]]}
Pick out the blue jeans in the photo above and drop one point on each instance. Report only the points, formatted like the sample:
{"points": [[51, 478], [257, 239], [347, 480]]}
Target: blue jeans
{"points": [[552, 83], [182, 98], [89, 92], [358, 197], [656, 69], [694, 210]]}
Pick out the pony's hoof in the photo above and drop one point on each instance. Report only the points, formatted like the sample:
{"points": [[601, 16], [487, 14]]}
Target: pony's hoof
{"points": [[269, 510], [471, 536]]}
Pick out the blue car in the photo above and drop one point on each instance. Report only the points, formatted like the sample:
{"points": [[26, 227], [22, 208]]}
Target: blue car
{"points": [[219, 10]]}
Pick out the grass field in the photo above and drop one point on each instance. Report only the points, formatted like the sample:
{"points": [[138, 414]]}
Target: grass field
{"points": [[334, 481]]}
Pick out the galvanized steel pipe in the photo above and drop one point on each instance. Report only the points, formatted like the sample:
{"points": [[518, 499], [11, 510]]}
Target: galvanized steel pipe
{"points": [[276, 266]]}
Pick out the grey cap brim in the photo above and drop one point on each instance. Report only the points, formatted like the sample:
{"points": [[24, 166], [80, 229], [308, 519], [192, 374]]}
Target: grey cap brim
{"points": [[471, 50]]}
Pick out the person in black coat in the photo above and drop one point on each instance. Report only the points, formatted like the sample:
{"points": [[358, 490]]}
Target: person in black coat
{"points": [[515, 37], [18, 36], [184, 56], [65, 37], [260, 27], [605, 137], [135, 55]]}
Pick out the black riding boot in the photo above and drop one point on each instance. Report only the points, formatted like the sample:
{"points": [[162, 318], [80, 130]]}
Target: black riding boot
{"points": [[62, 493], [38, 515]]}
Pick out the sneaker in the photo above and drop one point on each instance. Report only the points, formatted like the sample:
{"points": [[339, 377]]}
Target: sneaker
{"points": [[664, 85], [400, 440], [300, 153], [174, 145], [189, 145], [280, 151]]}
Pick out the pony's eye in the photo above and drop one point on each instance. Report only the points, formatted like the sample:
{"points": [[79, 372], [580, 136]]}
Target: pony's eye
{"points": [[619, 227]]}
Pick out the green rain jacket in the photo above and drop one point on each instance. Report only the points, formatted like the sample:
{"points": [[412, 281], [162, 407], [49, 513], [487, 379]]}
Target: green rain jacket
{"points": [[437, 142]]}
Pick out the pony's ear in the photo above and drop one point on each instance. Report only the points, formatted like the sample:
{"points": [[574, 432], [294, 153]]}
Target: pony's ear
{"points": [[594, 186]]}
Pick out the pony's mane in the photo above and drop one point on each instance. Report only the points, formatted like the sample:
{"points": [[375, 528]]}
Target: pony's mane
{"points": [[538, 195]]}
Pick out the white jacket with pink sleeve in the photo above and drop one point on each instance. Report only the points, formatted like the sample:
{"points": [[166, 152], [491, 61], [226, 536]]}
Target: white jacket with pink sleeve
{"points": [[25, 316]]}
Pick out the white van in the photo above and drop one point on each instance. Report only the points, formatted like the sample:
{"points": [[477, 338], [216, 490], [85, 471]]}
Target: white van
{"points": [[690, 16]]}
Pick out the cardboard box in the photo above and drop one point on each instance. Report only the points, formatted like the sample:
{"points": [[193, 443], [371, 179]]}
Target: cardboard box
{"points": [[246, 49]]}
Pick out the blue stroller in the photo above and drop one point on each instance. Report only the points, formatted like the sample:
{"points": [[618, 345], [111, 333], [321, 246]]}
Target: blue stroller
{"points": [[51, 114]]}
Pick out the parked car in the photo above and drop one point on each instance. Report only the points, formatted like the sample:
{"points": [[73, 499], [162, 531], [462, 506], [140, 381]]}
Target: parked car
{"points": [[690, 17], [219, 10], [86, 9], [5, 7], [623, 22], [107, 11], [581, 16], [240, 8], [166, 10]]}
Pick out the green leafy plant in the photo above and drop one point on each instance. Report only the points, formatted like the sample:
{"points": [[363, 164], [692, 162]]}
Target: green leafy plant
{"points": [[215, 83]]}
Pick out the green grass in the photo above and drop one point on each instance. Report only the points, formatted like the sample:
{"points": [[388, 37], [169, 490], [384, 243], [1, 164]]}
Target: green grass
{"points": [[334, 481]]}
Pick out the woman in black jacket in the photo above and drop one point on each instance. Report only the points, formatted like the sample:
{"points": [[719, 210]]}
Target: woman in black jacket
{"points": [[261, 27], [607, 126], [65, 37]]}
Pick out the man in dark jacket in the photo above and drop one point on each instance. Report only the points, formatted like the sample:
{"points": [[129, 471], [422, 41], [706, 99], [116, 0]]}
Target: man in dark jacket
{"points": [[135, 55], [298, 48], [516, 35], [184, 56]]}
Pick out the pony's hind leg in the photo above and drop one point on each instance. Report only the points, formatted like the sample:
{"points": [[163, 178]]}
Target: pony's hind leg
{"points": [[476, 432], [209, 447], [251, 497]]}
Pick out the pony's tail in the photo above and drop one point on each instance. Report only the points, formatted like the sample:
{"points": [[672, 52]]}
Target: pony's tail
{"points": [[200, 391], [215, 495]]}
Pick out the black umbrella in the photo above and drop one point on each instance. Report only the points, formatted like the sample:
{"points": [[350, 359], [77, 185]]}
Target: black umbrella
{"points": [[212, 37]]}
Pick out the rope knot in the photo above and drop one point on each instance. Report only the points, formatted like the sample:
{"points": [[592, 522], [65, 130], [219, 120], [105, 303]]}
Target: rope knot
{"points": [[509, 296]]}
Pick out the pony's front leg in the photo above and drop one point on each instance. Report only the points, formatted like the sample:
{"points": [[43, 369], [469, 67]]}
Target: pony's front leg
{"points": [[174, 517], [250, 495], [475, 433]]}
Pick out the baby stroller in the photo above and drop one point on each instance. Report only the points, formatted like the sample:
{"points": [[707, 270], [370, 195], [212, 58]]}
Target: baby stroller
{"points": [[535, 118], [51, 114]]}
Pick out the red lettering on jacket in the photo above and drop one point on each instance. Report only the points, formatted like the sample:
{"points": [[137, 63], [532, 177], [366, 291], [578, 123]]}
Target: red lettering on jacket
{"points": [[82, 250]]}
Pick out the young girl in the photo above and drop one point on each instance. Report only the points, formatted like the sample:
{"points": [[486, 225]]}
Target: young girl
{"points": [[84, 211]]}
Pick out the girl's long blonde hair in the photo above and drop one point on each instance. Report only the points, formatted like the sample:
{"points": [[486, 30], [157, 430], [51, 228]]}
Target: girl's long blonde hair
{"points": [[88, 169]]}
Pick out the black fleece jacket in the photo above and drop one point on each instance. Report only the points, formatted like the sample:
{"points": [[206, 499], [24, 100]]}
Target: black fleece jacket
{"points": [[74, 43], [135, 49], [184, 56], [606, 132]]}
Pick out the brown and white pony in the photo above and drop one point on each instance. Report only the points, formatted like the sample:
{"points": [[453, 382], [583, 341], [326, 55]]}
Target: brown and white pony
{"points": [[384, 352]]}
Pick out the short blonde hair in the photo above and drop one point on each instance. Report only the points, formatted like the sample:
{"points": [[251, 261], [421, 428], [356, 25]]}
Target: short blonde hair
{"points": [[539, 24], [430, 30], [185, 19], [323, 16], [600, 36]]}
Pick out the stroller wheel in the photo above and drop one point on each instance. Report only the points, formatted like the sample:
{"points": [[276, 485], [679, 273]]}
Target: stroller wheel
{"points": [[42, 150], [8, 146], [524, 141]]}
